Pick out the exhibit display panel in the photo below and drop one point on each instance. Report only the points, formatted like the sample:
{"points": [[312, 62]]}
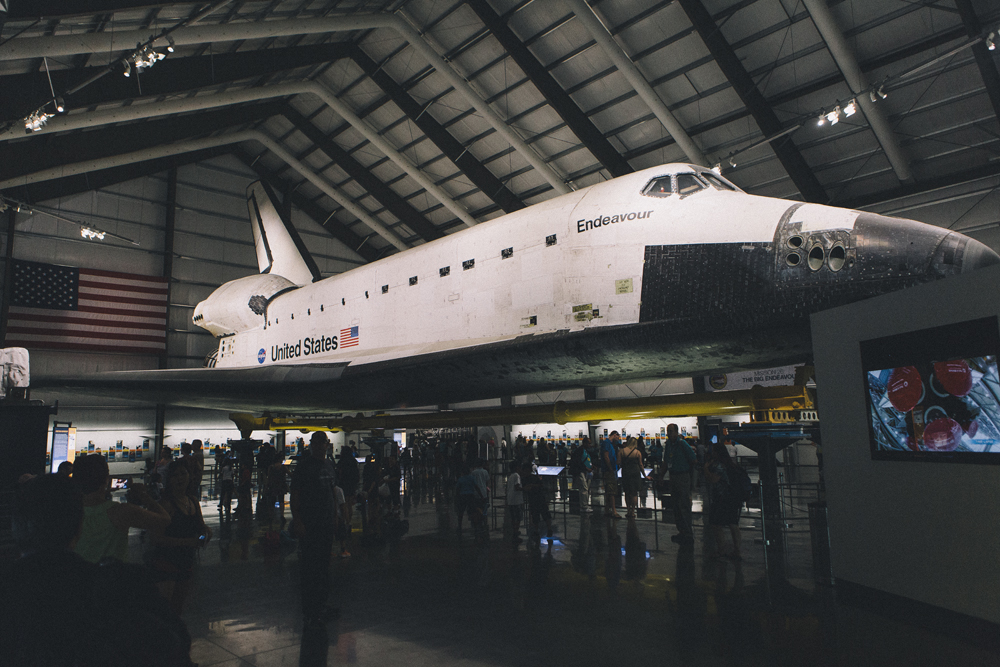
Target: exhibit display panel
{"points": [[898, 525]]}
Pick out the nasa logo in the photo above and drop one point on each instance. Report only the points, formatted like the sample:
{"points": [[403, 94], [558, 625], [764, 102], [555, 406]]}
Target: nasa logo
{"points": [[261, 356]]}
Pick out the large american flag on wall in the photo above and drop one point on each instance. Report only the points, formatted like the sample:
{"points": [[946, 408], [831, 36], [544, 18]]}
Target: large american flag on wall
{"points": [[65, 308]]}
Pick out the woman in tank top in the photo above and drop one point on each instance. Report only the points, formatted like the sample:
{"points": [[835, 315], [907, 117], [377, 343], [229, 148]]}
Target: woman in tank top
{"points": [[632, 474], [174, 551]]}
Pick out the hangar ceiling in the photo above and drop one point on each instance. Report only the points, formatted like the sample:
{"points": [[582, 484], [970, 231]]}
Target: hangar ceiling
{"points": [[393, 123]]}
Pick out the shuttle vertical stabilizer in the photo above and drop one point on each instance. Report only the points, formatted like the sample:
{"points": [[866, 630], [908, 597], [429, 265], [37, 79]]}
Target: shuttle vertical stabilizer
{"points": [[279, 248]]}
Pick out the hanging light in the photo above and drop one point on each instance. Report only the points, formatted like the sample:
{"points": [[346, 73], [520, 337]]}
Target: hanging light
{"points": [[88, 233], [821, 121], [127, 69], [36, 121], [60, 105], [834, 116], [850, 109], [170, 44], [990, 44], [732, 162], [881, 92]]}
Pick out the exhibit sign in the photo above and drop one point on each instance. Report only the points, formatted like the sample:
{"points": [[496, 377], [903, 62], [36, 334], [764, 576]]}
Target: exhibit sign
{"points": [[782, 376]]}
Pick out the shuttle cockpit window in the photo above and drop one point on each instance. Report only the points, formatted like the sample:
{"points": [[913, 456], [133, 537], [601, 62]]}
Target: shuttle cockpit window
{"points": [[659, 187], [719, 183], [689, 184]]}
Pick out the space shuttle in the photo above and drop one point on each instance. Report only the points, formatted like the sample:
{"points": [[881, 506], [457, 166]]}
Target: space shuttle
{"points": [[672, 271]]}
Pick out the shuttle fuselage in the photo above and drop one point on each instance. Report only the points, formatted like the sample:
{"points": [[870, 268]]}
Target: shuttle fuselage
{"points": [[671, 271]]}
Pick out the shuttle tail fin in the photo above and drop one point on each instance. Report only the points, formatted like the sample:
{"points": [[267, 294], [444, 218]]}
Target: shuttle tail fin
{"points": [[280, 250]]}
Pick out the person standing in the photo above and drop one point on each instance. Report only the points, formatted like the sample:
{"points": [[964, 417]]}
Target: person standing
{"points": [[194, 458], [725, 476], [679, 460], [538, 505], [348, 477], [609, 466], [515, 500], [174, 549], [314, 524], [582, 467], [633, 473]]}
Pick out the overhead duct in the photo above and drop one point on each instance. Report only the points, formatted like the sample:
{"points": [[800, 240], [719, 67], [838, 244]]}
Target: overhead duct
{"points": [[848, 64], [624, 64], [107, 42], [212, 142], [139, 110]]}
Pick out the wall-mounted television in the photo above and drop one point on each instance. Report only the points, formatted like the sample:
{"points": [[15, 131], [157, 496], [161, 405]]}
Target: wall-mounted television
{"points": [[934, 394]]}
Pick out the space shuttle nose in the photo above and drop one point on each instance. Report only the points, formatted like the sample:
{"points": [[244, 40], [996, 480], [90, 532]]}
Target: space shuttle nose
{"points": [[978, 256], [897, 247]]}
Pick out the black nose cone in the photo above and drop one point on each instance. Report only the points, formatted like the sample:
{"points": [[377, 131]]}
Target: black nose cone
{"points": [[978, 256]]}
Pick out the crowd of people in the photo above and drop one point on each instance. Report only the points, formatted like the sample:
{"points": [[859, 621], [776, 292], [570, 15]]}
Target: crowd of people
{"points": [[676, 464]]}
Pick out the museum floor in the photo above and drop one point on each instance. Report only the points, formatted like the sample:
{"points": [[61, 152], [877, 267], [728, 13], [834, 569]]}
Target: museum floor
{"points": [[595, 596]]}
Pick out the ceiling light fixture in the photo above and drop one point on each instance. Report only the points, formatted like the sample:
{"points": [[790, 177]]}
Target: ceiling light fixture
{"points": [[881, 92], [850, 109], [990, 44], [717, 168], [36, 121], [88, 233], [821, 121], [732, 162], [834, 116], [127, 69], [170, 44]]}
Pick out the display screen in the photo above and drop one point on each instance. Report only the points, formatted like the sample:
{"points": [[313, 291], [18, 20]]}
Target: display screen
{"points": [[118, 483], [934, 394]]}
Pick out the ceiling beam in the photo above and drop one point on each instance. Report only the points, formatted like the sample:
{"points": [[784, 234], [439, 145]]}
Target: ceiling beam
{"points": [[19, 10], [785, 149], [483, 178], [51, 150], [172, 75], [95, 180], [984, 59], [321, 217], [385, 195], [555, 95]]}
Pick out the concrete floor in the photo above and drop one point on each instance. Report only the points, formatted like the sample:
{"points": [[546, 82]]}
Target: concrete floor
{"points": [[600, 593]]}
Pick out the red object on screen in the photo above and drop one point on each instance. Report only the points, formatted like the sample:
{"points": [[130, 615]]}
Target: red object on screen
{"points": [[942, 435], [905, 388], [954, 376]]}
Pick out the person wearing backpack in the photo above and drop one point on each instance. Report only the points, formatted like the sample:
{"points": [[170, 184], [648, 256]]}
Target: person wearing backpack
{"points": [[729, 483]]}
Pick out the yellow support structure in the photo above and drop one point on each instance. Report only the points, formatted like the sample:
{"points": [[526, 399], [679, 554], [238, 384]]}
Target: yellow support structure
{"points": [[757, 400]]}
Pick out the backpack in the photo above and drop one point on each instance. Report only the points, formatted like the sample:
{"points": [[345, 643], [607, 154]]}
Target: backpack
{"points": [[741, 485]]}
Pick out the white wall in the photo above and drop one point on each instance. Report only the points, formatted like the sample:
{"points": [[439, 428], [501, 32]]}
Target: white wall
{"points": [[925, 531]]}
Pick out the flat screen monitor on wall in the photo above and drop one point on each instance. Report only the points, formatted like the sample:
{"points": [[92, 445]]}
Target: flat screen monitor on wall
{"points": [[934, 394]]}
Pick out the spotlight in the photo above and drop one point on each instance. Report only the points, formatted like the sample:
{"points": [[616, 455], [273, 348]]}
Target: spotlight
{"points": [[60, 105], [91, 234], [990, 44], [170, 45], [821, 121], [717, 168], [881, 92], [127, 69], [850, 109], [834, 116], [873, 96], [732, 162]]}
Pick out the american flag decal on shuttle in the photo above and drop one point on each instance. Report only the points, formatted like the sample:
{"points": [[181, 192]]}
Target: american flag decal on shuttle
{"points": [[349, 337]]}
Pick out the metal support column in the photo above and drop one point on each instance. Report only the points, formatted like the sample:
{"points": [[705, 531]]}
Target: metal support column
{"points": [[8, 272]]}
